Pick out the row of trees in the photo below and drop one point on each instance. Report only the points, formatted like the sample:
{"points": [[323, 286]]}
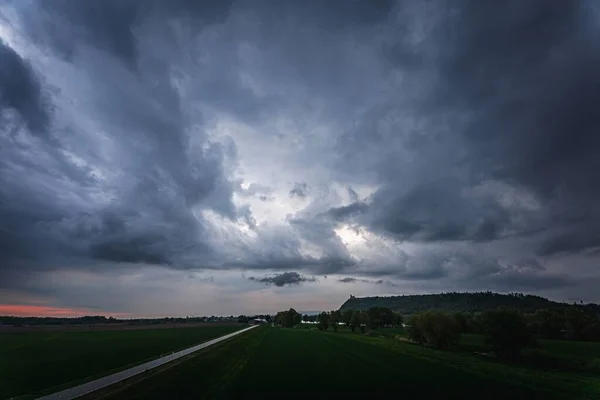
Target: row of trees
{"points": [[506, 330], [373, 318], [563, 324]]}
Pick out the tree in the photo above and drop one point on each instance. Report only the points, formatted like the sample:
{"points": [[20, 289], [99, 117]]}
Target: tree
{"points": [[580, 325], [323, 320], [288, 319], [354, 320], [363, 321], [334, 318], [440, 330], [296, 317], [506, 331], [461, 318], [414, 329], [374, 320], [549, 324]]}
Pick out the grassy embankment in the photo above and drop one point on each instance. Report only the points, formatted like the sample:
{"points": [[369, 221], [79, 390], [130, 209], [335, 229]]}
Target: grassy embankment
{"points": [[41, 362], [285, 363]]}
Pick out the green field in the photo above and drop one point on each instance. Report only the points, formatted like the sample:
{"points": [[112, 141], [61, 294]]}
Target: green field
{"points": [[46, 361], [299, 363]]}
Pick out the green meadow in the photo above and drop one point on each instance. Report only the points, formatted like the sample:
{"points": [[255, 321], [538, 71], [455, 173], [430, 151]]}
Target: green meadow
{"points": [[33, 362], [276, 362]]}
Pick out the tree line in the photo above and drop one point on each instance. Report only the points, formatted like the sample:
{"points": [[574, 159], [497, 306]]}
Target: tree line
{"points": [[506, 330], [464, 302], [373, 318], [560, 324]]}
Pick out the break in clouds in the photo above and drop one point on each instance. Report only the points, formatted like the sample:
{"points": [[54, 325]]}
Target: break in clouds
{"points": [[397, 146]]}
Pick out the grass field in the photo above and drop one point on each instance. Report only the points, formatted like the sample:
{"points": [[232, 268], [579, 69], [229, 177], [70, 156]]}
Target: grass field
{"points": [[48, 361], [299, 363]]}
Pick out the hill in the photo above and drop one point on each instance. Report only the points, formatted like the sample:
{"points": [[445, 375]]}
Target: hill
{"points": [[461, 302]]}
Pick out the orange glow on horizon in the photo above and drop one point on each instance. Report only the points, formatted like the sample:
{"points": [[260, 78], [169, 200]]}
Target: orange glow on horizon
{"points": [[22, 310]]}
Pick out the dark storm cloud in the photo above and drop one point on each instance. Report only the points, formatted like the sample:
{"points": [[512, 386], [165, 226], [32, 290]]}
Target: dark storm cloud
{"points": [[574, 240], [442, 211], [53, 210], [515, 95], [533, 87], [21, 92], [109, 25], [283, 279], [470, 125], [528, 282]]}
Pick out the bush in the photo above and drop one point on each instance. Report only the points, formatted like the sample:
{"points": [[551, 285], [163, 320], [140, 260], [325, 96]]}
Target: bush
{"points": [[437, 329]]}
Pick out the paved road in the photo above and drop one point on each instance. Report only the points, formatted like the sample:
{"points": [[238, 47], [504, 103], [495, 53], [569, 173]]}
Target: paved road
{"points": [[92, 386]]}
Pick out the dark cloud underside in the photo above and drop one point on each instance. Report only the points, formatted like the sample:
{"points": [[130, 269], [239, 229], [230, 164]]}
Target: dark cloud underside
{"points": [[284, 279]]}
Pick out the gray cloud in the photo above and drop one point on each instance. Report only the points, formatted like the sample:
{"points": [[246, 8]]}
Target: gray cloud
{"points": [[149, 217], [21, 92], [495, 96], [374, 282], [458, 150], [300, 190], [283, 279], [346, 212]]}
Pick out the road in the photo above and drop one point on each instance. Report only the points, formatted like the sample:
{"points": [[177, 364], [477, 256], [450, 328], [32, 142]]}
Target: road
{"points": [[97, 384]]}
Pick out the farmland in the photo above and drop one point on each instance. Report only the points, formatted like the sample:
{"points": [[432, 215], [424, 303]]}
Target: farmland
{"points": [[33, 362], [280, 362]]}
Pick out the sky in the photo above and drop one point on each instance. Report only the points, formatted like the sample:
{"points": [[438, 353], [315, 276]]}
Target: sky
{"points": [[181, 157]]}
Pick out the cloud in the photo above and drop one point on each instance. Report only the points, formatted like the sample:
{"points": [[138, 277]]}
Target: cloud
{"points": [[283, 279], [427, 144], [300, 190], [21, 93], [374, 282], [346, 212], [258, 190]]}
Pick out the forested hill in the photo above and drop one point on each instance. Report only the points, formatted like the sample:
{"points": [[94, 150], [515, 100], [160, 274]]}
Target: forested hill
{"points": [[461, 302]]}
